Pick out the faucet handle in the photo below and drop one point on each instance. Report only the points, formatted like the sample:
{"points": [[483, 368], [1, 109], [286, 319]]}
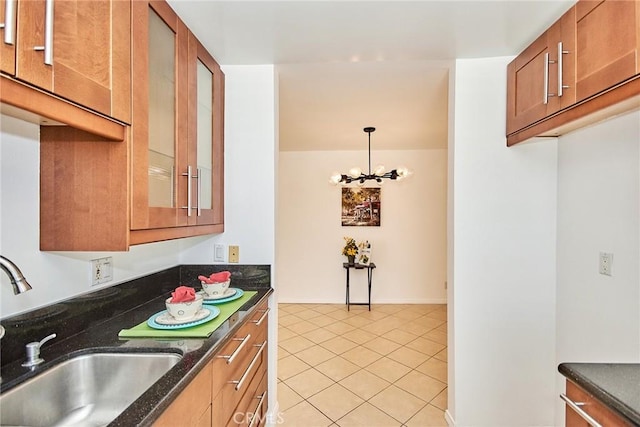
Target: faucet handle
{"points": [[33, 351]]}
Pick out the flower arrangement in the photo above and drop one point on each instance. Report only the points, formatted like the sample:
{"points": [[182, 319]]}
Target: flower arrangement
{"points": [[350, 247]]}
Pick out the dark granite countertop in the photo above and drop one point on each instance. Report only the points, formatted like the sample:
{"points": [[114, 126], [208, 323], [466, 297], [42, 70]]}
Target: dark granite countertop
{"points": [[90, 323], [617, 385]]}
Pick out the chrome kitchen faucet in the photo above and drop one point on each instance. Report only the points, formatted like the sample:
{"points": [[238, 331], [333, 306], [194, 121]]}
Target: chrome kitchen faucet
{"points": [[18, 281]]}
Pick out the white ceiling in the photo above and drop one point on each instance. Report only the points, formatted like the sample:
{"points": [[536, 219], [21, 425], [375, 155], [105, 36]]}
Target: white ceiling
{"points": [[344, 65]]}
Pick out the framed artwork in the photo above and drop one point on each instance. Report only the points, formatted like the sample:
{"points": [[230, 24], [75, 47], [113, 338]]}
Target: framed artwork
{"points": [[360, 207]]}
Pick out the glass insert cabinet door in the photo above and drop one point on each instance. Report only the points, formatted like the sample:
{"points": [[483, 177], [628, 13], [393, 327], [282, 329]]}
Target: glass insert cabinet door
{"points": [[206, 135], [177, 129], [162, 113], [160, 117]]}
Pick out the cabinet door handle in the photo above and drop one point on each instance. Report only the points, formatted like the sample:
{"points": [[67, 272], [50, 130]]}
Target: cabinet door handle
{"points": [[261, 319], [255, 359], [9, 20], [258, 406], [237, 351], [561, 52], [547, 61], [198, 177], [545, 99], [576, 407], [188, 175], [48, 33]]}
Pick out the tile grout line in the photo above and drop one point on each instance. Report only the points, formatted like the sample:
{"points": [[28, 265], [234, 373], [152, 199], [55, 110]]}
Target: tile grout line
{"points": [[347, 325]]}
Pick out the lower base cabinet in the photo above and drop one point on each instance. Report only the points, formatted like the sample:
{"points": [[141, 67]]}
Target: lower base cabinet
{"points": [[584, 410], [232, 389], [193, 406]]}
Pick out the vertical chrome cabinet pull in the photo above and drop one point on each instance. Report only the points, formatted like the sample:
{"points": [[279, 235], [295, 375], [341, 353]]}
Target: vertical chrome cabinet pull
{"points": [[48, 33], [199, 178], [237, 351], [576, 407], [561, 52], [545, 99], [188, 175], [261, 319], [244, 376], [547, 61], [9, 20]]}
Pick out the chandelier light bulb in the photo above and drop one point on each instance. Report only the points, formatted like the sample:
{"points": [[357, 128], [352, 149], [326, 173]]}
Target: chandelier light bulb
{"points": [[335, 178], [403, 172], [379, 170], [355, 172]]}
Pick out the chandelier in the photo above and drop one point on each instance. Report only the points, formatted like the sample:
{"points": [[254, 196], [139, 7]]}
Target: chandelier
{"points": [[357, 175]]}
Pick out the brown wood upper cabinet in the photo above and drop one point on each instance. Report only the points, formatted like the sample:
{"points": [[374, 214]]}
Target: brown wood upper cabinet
{"points": [[164, 179], [78, 50], [582, 69], [608, 40], [540, 81], [177, 164]]}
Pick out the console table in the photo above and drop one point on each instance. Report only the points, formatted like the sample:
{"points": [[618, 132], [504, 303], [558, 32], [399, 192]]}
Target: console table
{"points": [[369, 269]]}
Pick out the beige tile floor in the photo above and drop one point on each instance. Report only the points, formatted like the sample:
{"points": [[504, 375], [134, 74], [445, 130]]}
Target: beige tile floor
{"points": [[378, 368]]}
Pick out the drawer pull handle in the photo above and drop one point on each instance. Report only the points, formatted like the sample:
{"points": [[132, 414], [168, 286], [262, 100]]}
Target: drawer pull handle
{"points": [[237, 351], [257, 411], [576, 407], [261, 319], [244, 376]]}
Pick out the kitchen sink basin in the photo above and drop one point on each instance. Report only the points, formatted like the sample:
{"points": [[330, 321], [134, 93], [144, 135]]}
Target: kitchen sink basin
{"points": [[87, 390]]}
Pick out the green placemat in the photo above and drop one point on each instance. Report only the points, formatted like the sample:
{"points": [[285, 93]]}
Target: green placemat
{"points": [[200, 331]]}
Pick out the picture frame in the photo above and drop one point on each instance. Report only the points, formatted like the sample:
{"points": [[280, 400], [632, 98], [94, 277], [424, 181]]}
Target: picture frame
{"points": [[364, 254], [361, 207]]}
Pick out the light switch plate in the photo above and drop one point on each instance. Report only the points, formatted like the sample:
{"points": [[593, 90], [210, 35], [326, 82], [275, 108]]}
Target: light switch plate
{"points": [[218, 253], [234, 253]]}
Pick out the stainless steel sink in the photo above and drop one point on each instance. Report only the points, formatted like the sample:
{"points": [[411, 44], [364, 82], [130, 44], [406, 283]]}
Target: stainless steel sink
{"points": [[87, 390]]}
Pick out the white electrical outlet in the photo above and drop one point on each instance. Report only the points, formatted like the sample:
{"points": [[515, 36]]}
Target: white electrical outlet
{"points": [[218, 252], [101, 270], [606, 263]]}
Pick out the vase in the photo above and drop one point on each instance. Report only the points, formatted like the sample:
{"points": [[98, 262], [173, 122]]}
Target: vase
{"points": [[351, 259]]}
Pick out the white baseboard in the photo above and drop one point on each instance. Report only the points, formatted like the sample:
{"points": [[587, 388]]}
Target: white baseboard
{"points": [[449, 419], [401, 301]]}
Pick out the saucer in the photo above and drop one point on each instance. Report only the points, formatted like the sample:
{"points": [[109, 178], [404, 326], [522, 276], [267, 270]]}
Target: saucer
{"points": [[229, 292], [163, 320], [237, 293]]}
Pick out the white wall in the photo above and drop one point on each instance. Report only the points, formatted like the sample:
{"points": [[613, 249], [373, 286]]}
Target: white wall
{"points": [[598, 211], [504, 235], [408, 248]]}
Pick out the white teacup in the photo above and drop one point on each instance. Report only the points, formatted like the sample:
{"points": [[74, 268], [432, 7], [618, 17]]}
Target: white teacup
{"points": [[184, 310], [215, 289]]}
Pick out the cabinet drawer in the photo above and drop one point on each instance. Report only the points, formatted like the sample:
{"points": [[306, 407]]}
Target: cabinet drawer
{"points": [[236, 355], [249, 409], [592, 407], [238, 368], [237, 385]]}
